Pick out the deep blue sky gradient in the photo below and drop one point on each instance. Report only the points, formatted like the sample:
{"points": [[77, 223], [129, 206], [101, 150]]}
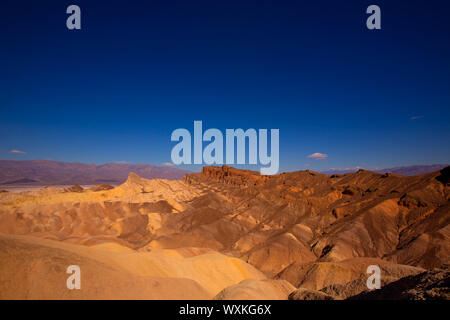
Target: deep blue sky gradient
{"points": [[115, 90]]}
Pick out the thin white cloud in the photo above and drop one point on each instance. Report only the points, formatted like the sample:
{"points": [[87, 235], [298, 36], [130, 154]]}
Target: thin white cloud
{"points": [[168, 164], [17, 152], [318, 156], [416, 117]]}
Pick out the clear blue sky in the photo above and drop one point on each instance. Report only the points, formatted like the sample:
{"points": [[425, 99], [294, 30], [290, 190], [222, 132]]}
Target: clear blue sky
{"points": [[115, 90]]}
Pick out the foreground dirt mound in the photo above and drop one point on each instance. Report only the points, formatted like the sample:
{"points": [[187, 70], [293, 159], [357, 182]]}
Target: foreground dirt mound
{"points": [[257, 290], [32, 268], [354, 287], [339, 275], [429, 285]]}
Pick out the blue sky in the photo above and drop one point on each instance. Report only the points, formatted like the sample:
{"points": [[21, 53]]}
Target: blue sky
{"points": [[137, 70]]}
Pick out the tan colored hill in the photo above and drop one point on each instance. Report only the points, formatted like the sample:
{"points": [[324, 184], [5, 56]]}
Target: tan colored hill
{"points": [[126, 214], [33, 268], [315, 231]]}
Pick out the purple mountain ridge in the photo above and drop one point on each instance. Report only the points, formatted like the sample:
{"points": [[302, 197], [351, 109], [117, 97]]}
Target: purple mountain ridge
{"points": [[406, 170], [46, 172]]}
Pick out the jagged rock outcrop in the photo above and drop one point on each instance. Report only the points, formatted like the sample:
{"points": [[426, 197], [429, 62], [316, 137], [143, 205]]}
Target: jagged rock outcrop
{"points": [[101, 187], [228, 176], [74, 188]]}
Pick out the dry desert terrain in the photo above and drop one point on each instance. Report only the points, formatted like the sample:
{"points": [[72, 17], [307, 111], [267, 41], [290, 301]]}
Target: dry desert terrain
{"points": [[226, 233]]}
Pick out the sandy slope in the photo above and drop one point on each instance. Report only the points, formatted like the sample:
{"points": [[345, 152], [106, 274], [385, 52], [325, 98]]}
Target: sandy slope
{"points": [[35, 268]]}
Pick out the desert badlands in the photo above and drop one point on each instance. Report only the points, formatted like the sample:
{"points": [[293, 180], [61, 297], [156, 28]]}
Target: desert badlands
{"points": [[227, 233]]}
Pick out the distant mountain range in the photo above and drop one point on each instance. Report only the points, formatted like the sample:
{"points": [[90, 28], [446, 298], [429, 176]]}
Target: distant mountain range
{"points": [[406, 171], [46, 172]]}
